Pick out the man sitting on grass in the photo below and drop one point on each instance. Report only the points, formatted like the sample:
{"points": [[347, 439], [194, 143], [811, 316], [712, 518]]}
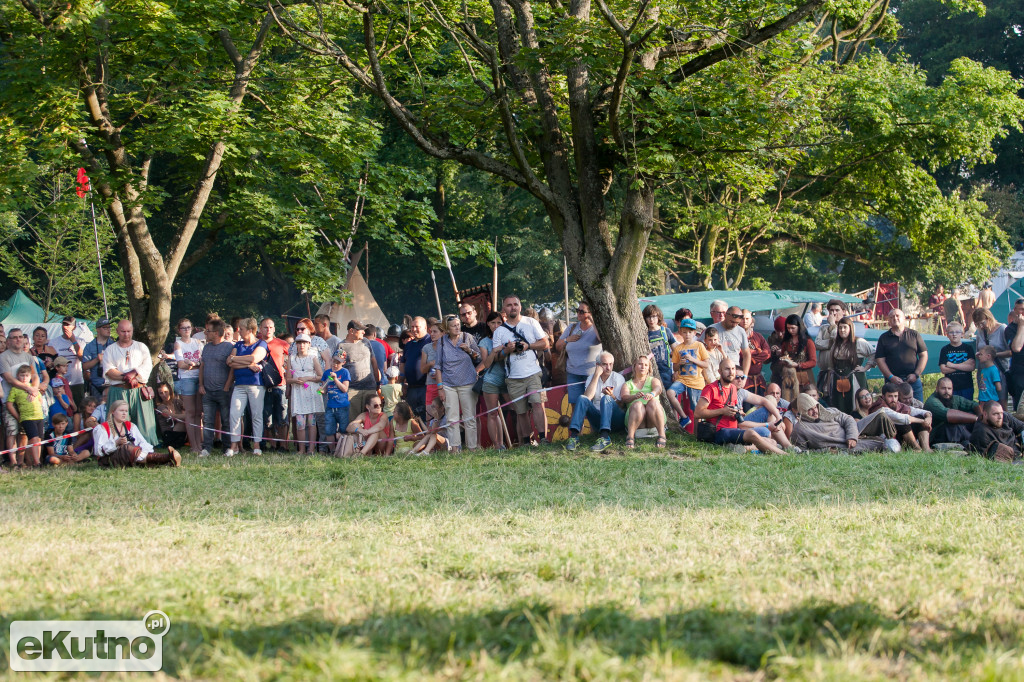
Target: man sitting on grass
{"points": [[599, 404], [839, 433], [912, 425], [997, 435], [719, 404], [952, 415]]}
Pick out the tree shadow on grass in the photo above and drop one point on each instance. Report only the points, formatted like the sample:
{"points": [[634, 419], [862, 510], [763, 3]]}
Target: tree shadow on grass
{"points": [[530, 632]]}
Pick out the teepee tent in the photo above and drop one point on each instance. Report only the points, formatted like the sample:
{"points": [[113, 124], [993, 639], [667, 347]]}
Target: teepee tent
{"points": [[363, 306], [21, 312]]}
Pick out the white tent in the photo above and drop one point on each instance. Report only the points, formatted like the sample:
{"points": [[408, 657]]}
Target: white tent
{"points": [[361, 306]]}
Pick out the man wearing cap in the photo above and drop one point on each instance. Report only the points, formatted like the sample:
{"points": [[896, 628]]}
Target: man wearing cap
{"points": [[92, 356], [812, 433], [71, 349], [129, 361], [361, 365]]}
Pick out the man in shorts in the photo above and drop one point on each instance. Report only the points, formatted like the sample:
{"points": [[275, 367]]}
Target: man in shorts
{"points": [[516, 341], [719, 404]]}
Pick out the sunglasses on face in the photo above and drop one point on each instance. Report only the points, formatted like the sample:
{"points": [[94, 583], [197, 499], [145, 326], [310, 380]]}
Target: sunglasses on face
{"points": [[374, 405]]}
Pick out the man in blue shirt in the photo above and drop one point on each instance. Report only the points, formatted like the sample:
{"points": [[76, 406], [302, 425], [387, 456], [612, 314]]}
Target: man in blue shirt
{"points": [[92, 356]]}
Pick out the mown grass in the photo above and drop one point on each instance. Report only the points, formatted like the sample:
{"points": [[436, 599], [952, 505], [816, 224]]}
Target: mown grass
{"points": [[685, 564]]}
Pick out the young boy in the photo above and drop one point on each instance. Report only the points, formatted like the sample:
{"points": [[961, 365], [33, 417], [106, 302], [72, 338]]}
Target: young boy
{"points": [[335, 389], [62, 450], [690, 359], [989, 380], [62, 401], [29, 412], [715, 355], [956, 361], [660, 340], [391, 392]]}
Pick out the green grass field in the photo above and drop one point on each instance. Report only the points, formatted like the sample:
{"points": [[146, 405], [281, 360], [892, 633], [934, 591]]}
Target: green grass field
{"points": [[682, 564]]}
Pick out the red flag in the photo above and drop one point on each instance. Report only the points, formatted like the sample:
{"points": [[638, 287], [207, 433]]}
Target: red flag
{"points": [[83, 183]]}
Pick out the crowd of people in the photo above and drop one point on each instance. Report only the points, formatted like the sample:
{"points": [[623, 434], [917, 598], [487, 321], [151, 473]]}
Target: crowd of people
{"points": [[416, 388]]}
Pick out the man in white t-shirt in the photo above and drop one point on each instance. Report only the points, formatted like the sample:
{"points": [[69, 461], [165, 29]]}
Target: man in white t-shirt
{"points": [[69, 347], [515, 341], [599, 404], [733, 338]]}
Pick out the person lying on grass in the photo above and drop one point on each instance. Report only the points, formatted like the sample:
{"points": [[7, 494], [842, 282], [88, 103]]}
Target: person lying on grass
{"points": [[719, 404], [369, 433], [997, 435], [839, 433], [913, 425], [437, 425]]}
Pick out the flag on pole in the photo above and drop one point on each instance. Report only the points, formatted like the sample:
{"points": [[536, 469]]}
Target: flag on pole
{"points": [[82, 183]]}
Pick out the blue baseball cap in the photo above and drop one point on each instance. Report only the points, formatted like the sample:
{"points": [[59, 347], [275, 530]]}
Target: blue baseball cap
{"points": [[687, 323]]}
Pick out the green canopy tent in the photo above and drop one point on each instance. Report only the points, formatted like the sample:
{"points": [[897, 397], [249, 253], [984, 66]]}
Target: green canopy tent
{"points": [[21, 312]]}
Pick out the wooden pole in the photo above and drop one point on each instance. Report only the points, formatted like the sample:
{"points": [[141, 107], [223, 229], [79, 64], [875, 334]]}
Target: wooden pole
{"points": [[437, 297], [565, 286], [494, 284]]}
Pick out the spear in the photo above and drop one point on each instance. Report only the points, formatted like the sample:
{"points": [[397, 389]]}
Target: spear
{"points": [[448, 263]]}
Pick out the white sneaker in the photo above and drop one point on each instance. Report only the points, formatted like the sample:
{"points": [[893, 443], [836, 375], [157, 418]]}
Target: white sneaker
{"points": [[257, 451], [204, 453], [229, 453], [892, 445]]}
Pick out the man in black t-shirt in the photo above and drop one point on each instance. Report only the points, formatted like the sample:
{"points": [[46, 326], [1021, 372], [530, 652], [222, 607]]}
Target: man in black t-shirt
{"points": [[415, 381], [470, 324], [901, 354]]}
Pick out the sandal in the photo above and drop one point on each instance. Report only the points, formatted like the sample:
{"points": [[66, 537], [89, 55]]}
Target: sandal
{"points": [[630, 444], [661, 442]]}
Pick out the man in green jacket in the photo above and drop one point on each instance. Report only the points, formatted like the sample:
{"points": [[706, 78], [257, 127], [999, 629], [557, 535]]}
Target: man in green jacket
{"points": [[953, 416]]}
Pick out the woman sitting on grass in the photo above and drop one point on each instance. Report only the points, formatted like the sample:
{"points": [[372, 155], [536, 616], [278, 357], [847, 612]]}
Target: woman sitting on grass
{"points": [[643, 408], [369, 433], [170, 412], [119, 443]]}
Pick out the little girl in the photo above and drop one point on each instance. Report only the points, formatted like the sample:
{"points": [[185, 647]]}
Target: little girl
{"points": [[433, 437], [715, 354], [407, 429], [303, 372]]}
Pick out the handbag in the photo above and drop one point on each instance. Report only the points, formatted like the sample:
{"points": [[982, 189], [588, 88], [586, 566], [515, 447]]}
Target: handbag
{"points": [[705, 432], [478, 386], [843, 384]]}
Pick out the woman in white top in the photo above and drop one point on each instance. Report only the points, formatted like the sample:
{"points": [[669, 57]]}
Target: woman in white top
{"points": [[119, 443], [188, 353]]}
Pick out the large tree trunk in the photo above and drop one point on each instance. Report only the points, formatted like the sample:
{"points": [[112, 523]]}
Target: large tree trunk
{"points": [[609, 286]]}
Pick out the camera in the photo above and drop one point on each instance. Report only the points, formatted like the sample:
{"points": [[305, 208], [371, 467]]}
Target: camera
{"points": [[520, 347]]}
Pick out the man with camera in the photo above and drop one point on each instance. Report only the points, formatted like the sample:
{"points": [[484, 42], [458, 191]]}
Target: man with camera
{"points": [[516, 340], [719, 404]]}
